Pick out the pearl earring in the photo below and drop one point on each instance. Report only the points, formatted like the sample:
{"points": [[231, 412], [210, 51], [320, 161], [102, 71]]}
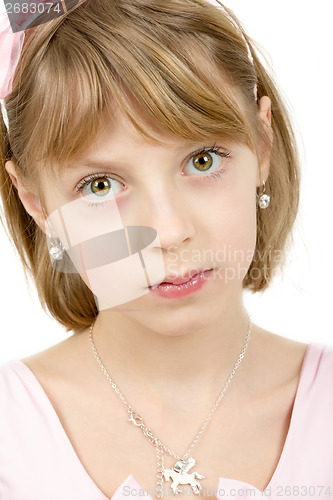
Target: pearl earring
{"points": [[264, 199], [56, 249]]}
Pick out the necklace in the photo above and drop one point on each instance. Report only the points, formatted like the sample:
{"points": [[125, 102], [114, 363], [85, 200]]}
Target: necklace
{"points": [[180, 472]]}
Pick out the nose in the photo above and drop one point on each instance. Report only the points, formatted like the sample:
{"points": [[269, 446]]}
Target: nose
{"points": [[169, 213]]}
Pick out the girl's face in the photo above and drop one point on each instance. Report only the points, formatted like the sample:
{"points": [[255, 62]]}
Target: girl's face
{"points": [[199, 197]]}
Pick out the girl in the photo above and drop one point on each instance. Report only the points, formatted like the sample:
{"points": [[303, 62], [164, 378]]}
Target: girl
{"points": [[149, 175]]}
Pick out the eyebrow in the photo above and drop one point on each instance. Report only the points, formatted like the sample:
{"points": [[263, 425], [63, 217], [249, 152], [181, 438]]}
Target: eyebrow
{"points": [[88, 164], [93, 164]]}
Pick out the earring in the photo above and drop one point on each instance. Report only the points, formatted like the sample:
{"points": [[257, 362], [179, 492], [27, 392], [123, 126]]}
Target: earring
{"points": [[56, 249], [264, 199]]}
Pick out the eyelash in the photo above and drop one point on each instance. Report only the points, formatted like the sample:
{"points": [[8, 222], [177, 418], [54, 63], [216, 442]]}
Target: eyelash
{"points": [[217, 174]]}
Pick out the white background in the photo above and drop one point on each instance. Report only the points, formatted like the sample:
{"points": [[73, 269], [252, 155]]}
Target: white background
{"points": [[296, 36]]}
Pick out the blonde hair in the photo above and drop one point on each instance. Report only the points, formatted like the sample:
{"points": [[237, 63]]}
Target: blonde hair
{"points": [[164, 56]]}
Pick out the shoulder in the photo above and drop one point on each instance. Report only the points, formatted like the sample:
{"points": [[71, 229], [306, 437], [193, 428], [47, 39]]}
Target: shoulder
{"points": [[20, 404], [62, 368], [320, 366], [275, 361], [18, 388], [59, 357], [11, 377], [286, 362], [22, 381], [27, 386]]}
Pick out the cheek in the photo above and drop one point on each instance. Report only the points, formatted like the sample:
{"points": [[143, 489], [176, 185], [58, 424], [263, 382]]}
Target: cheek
{"points": [[53, 196], [234, 226], [242, 231]]}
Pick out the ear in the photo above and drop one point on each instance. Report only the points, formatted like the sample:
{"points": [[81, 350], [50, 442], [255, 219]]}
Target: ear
{"points": [[29, 199], [265, 114]]}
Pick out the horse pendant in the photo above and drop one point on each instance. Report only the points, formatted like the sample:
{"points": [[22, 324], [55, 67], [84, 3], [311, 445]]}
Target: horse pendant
{"points": [[180, 475]]}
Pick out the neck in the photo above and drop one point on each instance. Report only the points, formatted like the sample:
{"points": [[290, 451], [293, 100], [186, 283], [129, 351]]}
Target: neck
{"points": [[169, 363]]}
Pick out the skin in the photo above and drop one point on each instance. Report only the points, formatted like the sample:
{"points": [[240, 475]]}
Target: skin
{"points": [[170, 358], [157, 339]]}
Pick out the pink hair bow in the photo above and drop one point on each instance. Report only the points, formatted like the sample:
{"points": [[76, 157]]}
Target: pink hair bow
{"points": [[10, 50], [11, 44]]}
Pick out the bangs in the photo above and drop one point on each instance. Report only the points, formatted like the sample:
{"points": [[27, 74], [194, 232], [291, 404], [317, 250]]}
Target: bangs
{"points": [[178, 67], [155, 75]]}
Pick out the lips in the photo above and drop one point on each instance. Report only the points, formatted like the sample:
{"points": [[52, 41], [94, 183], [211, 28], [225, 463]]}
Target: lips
{"points": [[180, 280]]}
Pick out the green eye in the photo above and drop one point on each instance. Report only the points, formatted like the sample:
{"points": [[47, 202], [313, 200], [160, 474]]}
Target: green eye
{"points": [[100, 186], [203, 161], [207, 160]]}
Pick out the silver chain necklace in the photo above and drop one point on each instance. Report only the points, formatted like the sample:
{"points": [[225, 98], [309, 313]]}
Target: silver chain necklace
{"points": [[180, 472]]}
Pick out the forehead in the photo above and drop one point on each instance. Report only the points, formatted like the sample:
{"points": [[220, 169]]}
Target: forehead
{"points": [[119, 145], [159, 118], [117, 131], [116, 128]]}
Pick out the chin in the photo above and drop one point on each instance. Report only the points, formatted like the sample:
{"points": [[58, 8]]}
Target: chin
{"points": [[176, 323]]}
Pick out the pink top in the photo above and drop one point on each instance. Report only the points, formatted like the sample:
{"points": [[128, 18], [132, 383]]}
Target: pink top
{"points": [[38, 461]]}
